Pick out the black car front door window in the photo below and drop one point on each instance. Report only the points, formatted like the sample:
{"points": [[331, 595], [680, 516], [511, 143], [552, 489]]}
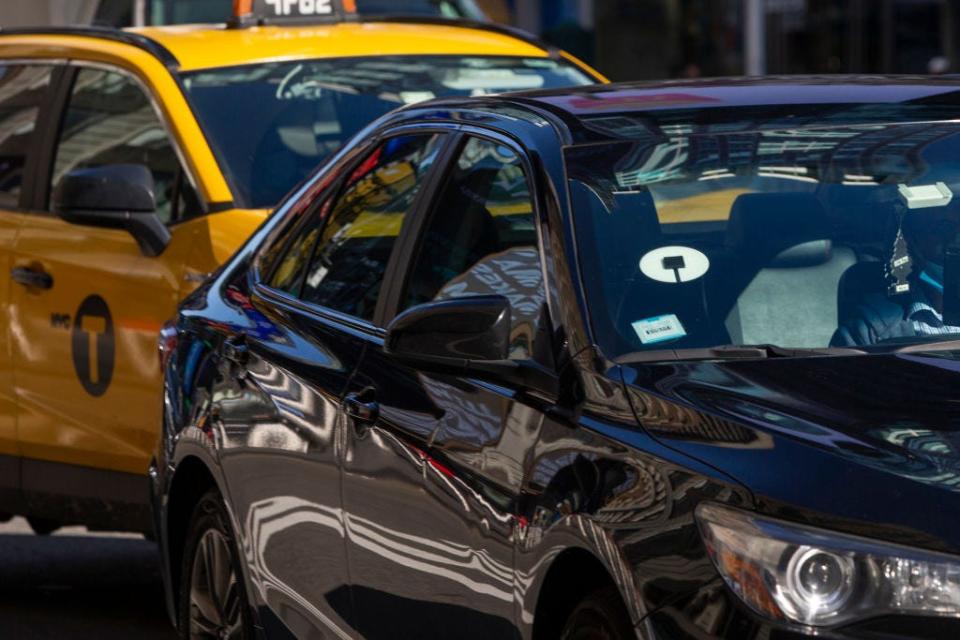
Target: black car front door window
{"points": [[481, 239]]}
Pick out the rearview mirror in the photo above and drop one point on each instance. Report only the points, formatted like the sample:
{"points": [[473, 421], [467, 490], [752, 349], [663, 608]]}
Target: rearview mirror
{"points": [[118, 196], [467, 336]]}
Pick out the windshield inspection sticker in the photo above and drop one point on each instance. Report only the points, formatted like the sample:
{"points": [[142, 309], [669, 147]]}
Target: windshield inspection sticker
{"points": [[659, 329], [674, 264]]}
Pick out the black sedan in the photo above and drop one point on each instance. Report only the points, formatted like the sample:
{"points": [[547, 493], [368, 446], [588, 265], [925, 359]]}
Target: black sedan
{"points": [[655, 361]]}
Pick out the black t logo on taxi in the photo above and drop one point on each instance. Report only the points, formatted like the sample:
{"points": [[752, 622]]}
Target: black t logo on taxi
{"points": [[92, 341]]}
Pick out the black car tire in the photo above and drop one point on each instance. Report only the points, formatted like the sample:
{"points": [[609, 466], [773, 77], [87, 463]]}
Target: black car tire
{"points": [[211, 574], [599, 616]]}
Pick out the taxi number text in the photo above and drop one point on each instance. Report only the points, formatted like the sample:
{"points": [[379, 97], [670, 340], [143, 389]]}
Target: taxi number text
{"points": [[300, 7]]}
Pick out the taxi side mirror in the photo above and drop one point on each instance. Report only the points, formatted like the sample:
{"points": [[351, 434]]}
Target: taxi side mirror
{"points": [[117, 196]]}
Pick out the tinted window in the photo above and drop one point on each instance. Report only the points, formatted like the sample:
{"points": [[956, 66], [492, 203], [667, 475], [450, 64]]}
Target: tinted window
{"points": [[481, 239], [796, 225], [110, 120], [295, 114], [354, 247], [22, 88], [289, 272]]}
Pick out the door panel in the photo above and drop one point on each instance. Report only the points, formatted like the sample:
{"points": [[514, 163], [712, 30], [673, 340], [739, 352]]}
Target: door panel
{"points": [[430, 491], [430, 533], [279, 414], [86, 372], [85, 315], [283, 413], [23, 89], [9, 221]]}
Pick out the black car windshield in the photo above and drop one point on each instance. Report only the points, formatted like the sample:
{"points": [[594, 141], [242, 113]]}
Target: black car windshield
{"points": [[821, 228], [271, 124]]}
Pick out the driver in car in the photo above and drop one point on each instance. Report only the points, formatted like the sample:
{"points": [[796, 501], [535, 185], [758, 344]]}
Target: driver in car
{"points": [[918, 311]]}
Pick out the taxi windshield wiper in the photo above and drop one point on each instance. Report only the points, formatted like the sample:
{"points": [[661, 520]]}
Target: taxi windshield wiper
{"points": [[734, 352]]}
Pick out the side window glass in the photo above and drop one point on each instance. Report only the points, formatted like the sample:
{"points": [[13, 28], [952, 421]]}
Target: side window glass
{"points": [[362, 226], [481, 239], [22, 89], [110, 120], [289, 272]]}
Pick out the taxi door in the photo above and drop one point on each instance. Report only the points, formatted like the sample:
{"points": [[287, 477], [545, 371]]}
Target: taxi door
{"points": [[23, 90], [86, 314]]}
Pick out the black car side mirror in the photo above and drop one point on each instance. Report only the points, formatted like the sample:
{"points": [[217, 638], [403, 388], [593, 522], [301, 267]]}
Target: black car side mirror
{"points": [[467, 336], [118, 196]]}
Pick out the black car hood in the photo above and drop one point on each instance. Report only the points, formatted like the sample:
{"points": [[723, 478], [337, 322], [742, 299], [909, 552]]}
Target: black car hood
{"points": [[867, 443]]}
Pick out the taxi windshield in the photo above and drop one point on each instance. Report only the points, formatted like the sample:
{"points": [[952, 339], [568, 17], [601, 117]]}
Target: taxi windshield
{"points": [[821, 228], [271, 124]]}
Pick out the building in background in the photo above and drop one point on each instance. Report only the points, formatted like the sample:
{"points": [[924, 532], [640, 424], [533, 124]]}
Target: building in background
{"points": [[669, 38], [635, 39]]}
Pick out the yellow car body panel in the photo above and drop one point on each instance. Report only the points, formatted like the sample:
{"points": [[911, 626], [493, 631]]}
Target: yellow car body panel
{"points": [[59, 419], [55, 405], [8, 403], [200, 47]]}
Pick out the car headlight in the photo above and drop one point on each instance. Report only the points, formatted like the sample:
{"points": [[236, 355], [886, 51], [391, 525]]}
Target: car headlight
{"points": [[795, 573]]}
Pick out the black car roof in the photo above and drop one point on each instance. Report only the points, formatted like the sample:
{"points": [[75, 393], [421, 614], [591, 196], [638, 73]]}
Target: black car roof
{"points": [[580, 108]]}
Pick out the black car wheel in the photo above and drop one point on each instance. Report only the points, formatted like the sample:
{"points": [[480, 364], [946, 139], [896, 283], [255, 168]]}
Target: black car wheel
{"points": [[599, 616], [213, 602]]}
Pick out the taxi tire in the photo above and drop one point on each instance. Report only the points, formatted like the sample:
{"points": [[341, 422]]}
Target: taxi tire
{"points": [[599, 616], [210, 520]]}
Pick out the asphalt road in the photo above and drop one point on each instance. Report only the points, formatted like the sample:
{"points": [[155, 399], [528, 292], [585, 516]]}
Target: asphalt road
{"points": [[79, 585]]}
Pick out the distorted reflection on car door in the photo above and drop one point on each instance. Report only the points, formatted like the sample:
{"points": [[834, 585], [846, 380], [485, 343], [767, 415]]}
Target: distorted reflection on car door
{"points": [[295, 367], [430, 486]]}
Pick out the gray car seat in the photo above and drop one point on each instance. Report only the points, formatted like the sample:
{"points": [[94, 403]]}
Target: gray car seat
{"points": [[792, 298]]}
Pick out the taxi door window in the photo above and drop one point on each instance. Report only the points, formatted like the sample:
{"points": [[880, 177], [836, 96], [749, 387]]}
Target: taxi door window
{"points": [[22, 89], [481, 239], [354, 246], [110, 120]]}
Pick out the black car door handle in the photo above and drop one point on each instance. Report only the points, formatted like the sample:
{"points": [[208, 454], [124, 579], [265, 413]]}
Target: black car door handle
{"points": [[34, 278], [362, 407]]}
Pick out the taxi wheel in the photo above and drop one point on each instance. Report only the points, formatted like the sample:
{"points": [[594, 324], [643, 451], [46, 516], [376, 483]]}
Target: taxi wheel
{"points": [[599, 616], [213, 601]]}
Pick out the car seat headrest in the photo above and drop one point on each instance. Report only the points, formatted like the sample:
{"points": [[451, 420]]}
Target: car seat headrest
{"points": [[807, 254], [764, 225]]}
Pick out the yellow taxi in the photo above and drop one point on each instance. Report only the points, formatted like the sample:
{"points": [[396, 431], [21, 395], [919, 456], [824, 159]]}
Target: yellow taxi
{"points": [[133, 163]]}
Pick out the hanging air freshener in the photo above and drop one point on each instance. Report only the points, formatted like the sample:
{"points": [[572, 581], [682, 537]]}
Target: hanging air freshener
{"points": [[900, 265]]}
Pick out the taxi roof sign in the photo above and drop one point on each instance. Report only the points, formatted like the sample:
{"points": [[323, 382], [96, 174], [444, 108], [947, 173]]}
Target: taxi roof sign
{"points": [[259, 12], [263, 12]]}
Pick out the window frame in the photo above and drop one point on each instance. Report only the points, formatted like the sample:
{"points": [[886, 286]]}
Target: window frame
{"points": [[345, 166], [43, 187]]}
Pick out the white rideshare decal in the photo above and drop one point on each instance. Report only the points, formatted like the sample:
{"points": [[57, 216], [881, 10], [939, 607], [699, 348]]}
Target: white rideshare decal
{"points": [[674, 264]]}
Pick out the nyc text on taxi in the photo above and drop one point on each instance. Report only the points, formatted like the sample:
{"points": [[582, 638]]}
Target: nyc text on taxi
{"points": [[132, 164]]}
